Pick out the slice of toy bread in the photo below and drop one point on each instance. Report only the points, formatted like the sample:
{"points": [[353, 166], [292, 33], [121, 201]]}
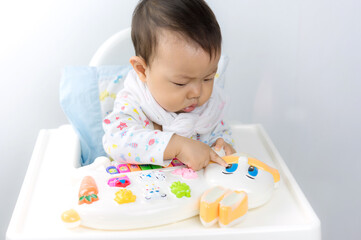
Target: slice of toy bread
{"points": [[209, 205], [232, 208]]}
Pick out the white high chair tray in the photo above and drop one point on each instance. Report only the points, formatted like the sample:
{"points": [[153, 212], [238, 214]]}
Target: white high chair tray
{"points": [[45, 194]]}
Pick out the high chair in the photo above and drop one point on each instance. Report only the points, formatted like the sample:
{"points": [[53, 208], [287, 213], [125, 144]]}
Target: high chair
{"points": [[114, 51], [44, 193]]}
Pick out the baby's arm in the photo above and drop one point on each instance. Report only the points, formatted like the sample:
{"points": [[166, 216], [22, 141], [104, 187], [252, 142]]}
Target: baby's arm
{"points": [[130, 137]]}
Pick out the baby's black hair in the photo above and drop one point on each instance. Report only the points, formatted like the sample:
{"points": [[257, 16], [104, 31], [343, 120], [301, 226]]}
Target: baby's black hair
{"points": [[192, 19]]}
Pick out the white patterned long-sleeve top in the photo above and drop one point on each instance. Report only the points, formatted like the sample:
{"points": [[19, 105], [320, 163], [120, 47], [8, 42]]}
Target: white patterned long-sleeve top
{"points": [[130, 136]]}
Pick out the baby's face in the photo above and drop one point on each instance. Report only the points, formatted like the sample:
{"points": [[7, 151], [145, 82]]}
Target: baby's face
{"points": [[181, 74]]}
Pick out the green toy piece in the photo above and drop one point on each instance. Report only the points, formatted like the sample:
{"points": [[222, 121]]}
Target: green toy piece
{"points": [[145, 167], [180, 189], [156, 166]]}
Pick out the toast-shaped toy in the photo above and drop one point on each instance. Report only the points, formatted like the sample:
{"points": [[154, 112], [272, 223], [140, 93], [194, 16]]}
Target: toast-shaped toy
{"points": [[116, 197]]}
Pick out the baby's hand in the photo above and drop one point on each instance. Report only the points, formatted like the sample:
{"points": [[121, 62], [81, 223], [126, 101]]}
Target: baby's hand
{"points": [[196, 154], [220, 143]]}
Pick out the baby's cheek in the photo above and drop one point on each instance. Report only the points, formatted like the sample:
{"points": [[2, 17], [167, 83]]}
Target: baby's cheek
{"points": [[163, 95], [172, 102], [207, 92]]}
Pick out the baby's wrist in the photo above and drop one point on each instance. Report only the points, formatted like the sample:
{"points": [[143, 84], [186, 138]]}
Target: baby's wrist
{"points": [[173, 148]]}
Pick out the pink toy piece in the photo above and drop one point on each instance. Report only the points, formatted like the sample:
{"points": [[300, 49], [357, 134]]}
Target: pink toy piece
{"points": [[123, 168], [122, 181], [176, 162], [178, 171], [189, 173], [186, 173]]}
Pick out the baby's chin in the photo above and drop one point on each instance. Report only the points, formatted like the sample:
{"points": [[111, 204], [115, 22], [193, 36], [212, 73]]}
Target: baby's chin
{"points": [[172, 111], [184, 110], [177, 111], [180, 111]]}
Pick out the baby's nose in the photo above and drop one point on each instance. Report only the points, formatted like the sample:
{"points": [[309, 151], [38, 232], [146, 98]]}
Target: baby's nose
{"points": [[195, 91]]}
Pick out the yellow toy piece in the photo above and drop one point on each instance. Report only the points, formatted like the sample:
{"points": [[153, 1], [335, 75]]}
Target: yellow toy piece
{"points": [[124, 196], [71, 218]]}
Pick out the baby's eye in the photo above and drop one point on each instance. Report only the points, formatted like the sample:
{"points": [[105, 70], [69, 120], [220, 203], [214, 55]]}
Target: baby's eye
{"points": [[208, 79], [231, 168], [253, 171], [179, 84]]}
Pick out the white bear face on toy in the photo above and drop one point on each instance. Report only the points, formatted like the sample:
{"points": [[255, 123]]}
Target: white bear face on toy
{"points": [[244, 174]]}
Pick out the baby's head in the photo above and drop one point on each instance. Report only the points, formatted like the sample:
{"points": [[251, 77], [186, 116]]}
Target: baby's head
{"points": [[177, 45]]}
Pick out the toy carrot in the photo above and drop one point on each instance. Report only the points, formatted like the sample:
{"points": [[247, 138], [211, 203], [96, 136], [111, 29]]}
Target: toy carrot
{"points": [[88, 191]]}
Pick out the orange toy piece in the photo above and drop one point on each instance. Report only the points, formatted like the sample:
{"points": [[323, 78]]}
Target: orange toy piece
{"points": [[88, 190], [232, 208], [209, 207], [223, 205]]}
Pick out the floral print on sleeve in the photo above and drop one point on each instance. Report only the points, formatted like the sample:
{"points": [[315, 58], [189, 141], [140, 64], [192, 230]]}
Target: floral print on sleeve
{"points": [[130, 136], [222, 130]]}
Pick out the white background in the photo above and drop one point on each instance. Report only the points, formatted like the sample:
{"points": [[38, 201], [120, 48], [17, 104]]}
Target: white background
{"points": [[295, 68]]}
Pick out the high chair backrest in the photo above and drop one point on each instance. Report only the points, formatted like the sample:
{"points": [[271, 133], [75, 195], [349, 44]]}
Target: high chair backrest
{"points": [[115, 51]]}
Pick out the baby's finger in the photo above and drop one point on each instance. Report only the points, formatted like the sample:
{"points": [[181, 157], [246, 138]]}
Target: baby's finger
{"points": [[219, 144], [228, 149], [215, 158]]}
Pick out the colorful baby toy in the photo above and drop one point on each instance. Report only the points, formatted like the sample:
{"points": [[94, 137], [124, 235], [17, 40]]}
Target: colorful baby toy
{"points": [[127, 197]]}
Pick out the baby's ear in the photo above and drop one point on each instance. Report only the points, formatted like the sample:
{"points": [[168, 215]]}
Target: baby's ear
{"points": [[139, 66]]}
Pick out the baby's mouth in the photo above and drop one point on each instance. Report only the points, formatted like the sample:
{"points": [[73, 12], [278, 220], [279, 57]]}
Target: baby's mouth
{"points": [[189, 108]]}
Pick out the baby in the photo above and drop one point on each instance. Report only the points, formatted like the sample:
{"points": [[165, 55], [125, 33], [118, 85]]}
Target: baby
{"points": [[169, 106]]}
